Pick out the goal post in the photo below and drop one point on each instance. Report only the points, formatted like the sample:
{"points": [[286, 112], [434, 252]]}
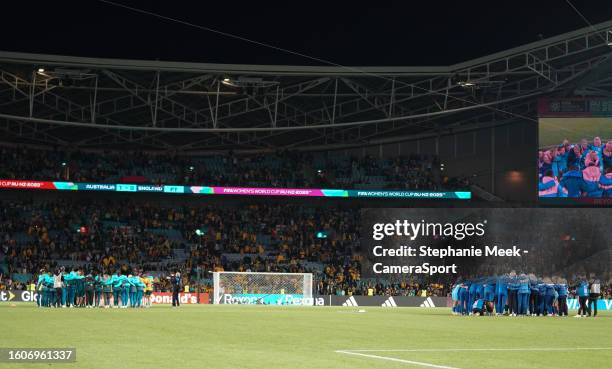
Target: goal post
{"points": [[252, 288]]}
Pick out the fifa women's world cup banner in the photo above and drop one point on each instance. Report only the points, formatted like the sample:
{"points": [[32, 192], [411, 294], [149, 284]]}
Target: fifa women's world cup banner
{"points": [[446, 245], [232, 191]]}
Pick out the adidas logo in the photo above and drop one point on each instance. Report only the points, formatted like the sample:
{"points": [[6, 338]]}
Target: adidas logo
{"points": [[350, 302], [389, 303], [428, 303]]}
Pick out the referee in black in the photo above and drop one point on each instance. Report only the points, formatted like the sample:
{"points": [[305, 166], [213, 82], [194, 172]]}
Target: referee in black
{"points": [[175, 280], [594, 292]]}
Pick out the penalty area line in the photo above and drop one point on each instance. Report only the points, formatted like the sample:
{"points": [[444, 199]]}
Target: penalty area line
{"points": [[484, 349], [395, 359]]}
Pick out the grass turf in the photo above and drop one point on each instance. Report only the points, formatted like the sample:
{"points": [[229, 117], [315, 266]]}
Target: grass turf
{"points": [[293, 337]]}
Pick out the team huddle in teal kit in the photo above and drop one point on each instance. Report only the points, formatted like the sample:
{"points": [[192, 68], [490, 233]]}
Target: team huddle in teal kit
{"points": [[77, 289]]}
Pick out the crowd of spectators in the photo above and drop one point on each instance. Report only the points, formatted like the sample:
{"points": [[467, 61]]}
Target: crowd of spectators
{"points": [[105, 236], [277, 169], [404, 287]]}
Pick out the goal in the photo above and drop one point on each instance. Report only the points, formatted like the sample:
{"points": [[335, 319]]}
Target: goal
{"points": [[251, 288]]}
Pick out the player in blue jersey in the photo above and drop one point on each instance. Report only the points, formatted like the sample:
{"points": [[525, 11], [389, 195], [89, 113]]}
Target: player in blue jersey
{"points": [[562, 290], [489, 290], [502, 294], [513, 287], [541, 298], [582, 291], [463, 298], [550, 297], [523, 294], [472, 294], [455, 298], [478, 307]]}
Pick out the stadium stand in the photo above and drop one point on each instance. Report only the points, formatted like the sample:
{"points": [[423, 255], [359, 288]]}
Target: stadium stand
{"points": [[279, 169], [104, 235]]}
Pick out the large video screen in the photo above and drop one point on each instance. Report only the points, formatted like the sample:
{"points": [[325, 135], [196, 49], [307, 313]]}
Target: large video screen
{"points": [[575, 158]]}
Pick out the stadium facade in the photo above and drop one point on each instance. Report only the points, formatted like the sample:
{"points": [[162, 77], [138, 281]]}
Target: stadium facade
{"points": [[478, 116]]}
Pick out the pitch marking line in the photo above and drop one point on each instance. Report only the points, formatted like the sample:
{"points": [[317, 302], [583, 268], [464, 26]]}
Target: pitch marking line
{"points": [[396, 360], [485, 349], [418, 363]]}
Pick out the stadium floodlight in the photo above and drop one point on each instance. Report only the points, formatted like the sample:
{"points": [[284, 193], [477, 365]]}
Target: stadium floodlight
{"points": [[251, 288], [466, 84], [244, 82], [228, 82]]}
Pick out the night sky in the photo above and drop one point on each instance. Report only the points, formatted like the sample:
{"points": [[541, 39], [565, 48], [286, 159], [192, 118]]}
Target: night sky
{"points": [[347, 33]]}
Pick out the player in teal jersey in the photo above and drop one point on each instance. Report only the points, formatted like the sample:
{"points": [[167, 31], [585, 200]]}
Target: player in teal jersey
{"points": [[98, 287], [133, 281], [125, 290], [116, 283], [64, 288], [70, 278], [90, 290], [80, 289], [39, 288], [140, 286], [107, 290], [49, 289], [43, 289]]}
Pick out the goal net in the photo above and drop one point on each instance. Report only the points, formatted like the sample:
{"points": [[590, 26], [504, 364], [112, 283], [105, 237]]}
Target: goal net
{"points": [[262, 288]]}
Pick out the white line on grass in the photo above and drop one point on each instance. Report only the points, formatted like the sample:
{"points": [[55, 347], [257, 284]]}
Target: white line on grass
{"points": [[483, 349], [396, 360], [419, 363]]}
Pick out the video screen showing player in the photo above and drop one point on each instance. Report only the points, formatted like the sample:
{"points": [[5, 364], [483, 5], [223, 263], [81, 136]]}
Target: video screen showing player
{"points": [[575, 158]]}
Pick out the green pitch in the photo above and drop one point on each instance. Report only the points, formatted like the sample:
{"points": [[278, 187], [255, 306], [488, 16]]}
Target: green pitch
{"points": [[552, 131], [222, 337]]}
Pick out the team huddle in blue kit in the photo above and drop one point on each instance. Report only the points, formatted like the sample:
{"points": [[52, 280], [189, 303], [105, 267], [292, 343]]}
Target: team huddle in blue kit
{"points": [[522, 295]]}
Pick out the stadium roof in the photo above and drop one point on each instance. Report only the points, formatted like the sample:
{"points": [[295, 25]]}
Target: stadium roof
{"points": [[106, 103]]}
